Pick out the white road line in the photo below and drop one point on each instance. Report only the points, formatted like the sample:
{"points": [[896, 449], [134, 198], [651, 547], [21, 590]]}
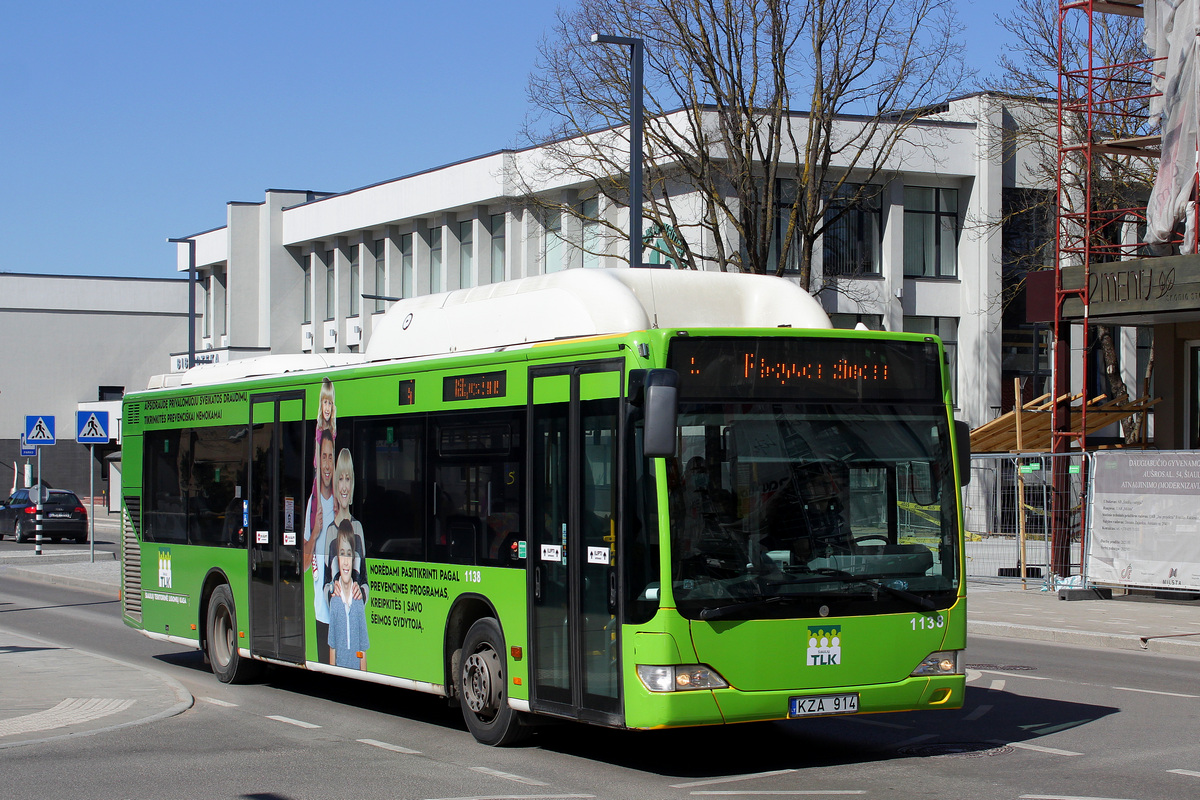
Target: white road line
{"points": [[977, 713], [1016, 675], [395, 748], [973, 675], [290, 721], [733, 778], [1037, 748], [508, 776], [72, 711], [1151, 691], [1188, 772], [519, 797], [791, 792], [221, 703], [1064, 797], [997, 686]]}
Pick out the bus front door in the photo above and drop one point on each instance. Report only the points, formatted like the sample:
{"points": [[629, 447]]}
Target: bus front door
{"points": [[276, 516], [572, 567]]}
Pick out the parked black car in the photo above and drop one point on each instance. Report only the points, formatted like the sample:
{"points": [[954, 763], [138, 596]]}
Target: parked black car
{"points": [[63, 516]]}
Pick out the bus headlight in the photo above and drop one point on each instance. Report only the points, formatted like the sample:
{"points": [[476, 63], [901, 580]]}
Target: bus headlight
{"points": [[943, 662], [679, 677]]}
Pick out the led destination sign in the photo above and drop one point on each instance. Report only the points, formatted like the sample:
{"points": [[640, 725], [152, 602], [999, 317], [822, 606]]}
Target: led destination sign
{"points": [[480, 386], [806, 369]]}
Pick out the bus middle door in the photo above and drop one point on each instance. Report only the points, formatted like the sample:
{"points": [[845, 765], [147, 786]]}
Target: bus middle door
{"points": [[276, 517], [572, 572]]}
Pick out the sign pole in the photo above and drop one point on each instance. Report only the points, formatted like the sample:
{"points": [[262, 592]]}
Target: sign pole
{"points": [[92, 495], [37, 527]]}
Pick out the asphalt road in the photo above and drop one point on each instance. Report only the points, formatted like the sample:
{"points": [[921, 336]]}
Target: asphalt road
{"points": [[1040, 721]]}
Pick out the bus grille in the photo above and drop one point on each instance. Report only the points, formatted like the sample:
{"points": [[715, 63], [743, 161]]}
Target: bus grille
{"points": [[131, 555]]}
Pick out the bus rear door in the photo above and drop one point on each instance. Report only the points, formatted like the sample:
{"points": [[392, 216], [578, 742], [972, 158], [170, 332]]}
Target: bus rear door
{"points": [[276, 517]]}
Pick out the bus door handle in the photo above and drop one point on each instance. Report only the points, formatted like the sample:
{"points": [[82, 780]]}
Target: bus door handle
{"points": [[537, 584], [612, 591]]}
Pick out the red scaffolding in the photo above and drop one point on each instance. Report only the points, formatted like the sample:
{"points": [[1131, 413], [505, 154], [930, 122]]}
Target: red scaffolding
{"points": [[1104, 134]]}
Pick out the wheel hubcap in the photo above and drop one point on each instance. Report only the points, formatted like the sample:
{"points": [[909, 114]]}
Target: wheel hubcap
{"points": [[480, 684]]}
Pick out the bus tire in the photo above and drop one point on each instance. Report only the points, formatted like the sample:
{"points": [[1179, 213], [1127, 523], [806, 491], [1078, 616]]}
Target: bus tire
{"points": [[483, 687], [222, 650]]}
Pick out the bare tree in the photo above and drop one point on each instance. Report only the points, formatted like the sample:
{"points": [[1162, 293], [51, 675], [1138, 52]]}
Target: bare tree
{"points": [[729, 163], [1114, 181]]}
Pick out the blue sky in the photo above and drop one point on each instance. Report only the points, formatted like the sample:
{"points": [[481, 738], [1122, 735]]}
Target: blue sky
{"points": [[126, 123]]}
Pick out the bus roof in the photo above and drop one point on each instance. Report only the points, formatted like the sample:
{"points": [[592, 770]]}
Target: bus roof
{"points": [[570, 304], [588, 302]]}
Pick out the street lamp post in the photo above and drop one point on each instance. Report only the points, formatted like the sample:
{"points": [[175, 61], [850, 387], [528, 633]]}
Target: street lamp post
{"points": [[191, 243], [635, 140]]}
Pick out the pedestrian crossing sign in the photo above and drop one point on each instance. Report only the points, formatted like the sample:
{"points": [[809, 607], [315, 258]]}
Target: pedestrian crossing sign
{"points": [[91, 427], [39, 430]]}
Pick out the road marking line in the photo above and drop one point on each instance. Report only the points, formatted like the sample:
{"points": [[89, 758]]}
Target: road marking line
{"points": [[1151, 691], [290, 721], [733, 778], [789, 792], [508, 776], [997, 686], [1037, 748], [519, 797], [1016, 675], [977, 713], [395, 748], [1063, 797], [221, 703], [1188, 772]]}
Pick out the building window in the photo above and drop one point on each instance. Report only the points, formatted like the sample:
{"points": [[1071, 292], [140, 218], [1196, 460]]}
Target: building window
{"points": [[330, 287], [206, 305], [222, 322], [466, 254], [851, 242], [945, 328], [308, 291], [590, 214], [785, 199], [406, 265], [497, 225], [930, 232], [355, 282], [554, 244], [848, 322], [435, 259], [380, 251]]}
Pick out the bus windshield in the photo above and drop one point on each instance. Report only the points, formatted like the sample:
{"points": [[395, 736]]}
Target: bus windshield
{"points": [[785, 510]]}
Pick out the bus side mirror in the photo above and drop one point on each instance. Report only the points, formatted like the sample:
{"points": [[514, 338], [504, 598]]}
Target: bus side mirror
{"points": [[657, 392], [962, 438]]}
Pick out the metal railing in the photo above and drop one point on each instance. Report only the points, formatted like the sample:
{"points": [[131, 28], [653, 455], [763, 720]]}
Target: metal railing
{"points": [[1007, 511]]}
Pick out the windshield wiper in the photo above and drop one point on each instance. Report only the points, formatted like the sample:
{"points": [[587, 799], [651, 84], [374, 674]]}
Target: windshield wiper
{"points": [[923, 603], [721, 612]]}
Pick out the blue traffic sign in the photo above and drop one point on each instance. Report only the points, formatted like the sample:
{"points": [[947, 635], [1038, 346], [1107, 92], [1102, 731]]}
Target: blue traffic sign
{"points": [[26, 450], [91, 427], [39, 429]]}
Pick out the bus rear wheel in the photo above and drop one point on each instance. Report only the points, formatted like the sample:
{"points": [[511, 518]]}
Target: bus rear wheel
{"points": [[483, 685], [223, 656]]}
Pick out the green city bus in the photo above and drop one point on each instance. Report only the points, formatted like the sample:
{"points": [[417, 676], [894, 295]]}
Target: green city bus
{"points": [[635, 498]]}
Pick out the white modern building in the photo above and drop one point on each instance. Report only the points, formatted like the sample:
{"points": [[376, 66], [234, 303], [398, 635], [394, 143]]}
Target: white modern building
{"points": [[306, 271]]}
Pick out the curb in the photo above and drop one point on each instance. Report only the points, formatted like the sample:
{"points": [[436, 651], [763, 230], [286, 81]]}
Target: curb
{"points": [[36, 576], [1117, 641]]}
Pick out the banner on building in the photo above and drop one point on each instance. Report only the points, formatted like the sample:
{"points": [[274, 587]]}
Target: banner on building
{"points": [[1144, 525]]}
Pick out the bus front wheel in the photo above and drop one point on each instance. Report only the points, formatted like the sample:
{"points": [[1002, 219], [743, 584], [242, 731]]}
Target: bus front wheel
{"points": [[223, 656], [483, 686]]}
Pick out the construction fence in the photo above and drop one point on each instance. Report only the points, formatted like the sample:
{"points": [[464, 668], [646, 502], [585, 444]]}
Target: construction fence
{"points": [[1008, 513]]}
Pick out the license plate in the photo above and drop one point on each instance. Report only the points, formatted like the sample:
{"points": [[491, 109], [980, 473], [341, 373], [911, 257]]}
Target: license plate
{"points": [[60, 515], [819, 705]]}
